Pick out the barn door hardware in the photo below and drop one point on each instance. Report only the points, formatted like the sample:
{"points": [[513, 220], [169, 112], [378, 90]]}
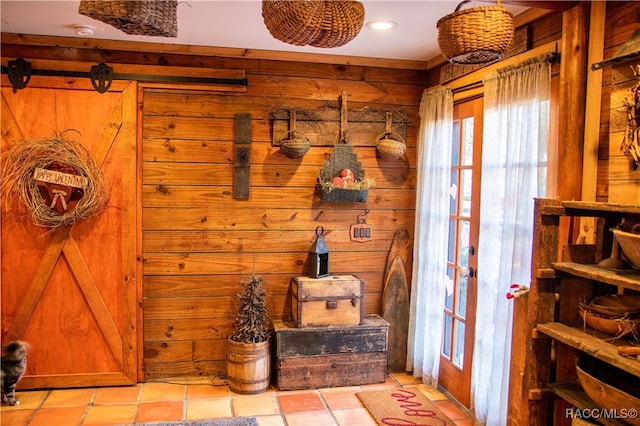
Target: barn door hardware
{"points": [[101, 77], [20, 71], [242, 169]]}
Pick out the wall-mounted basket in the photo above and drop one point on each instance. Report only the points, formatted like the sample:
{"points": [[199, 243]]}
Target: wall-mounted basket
{"points": [[139, 17], [342, 158], [293, 143], [477, 35], [390, 145]]}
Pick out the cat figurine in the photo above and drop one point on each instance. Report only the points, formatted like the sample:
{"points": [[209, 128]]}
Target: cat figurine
{"points": [[14, 364]]}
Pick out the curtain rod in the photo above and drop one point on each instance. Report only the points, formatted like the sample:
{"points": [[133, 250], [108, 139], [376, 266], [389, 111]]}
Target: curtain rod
{"points": [[552, 58]]}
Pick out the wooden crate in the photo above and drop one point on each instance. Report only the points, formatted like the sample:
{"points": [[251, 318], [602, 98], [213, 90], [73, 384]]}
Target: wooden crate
{"points": [[333, 300], [317, 357]]}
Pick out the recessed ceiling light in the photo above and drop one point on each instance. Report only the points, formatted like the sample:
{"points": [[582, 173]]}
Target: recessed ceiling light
{"points": [[381, 25], [84, 30]]}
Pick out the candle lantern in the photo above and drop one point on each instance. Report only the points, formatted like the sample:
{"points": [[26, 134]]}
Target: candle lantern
{"points": [[319, 256]]}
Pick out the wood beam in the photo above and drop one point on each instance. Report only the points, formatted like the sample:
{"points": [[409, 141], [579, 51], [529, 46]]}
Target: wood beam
{"points": [[573, 69], [542, 4], [592, 116]]}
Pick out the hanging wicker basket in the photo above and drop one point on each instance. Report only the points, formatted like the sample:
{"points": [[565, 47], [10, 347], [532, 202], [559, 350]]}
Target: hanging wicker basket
{"points": [[328, 23], [390, 146], [477, 35], [294, 144], [137, 17]]}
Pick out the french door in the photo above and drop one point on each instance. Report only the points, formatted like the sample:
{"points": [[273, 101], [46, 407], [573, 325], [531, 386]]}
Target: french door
{"points": [[462, 268]]}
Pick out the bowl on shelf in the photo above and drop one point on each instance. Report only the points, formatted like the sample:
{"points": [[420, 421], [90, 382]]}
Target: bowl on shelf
{"points": [[617, 315], [630, 245], [609, 387]]}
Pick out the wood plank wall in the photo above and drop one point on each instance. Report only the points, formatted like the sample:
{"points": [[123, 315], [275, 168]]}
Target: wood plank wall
{"points": [[198, 242], [617, 180]]}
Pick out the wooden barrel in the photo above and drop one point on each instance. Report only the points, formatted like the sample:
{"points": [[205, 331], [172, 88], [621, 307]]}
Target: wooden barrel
{"points": [[248, 367]]}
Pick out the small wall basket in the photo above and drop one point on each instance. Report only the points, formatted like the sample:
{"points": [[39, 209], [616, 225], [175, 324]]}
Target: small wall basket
{"points": [[294, 144], [477, 35], [390, 145], [138, 17]]}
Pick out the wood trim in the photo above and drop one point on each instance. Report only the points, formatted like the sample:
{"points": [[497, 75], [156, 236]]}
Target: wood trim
{"points": [[180, 49], [592, 116], [92, 295], [39, 282], [9, 125], [61, 381]]}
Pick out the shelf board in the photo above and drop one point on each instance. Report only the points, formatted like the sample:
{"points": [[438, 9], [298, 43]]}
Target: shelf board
{"points": [[629, 278], [591, 209], [574, 395], [585, 342]]}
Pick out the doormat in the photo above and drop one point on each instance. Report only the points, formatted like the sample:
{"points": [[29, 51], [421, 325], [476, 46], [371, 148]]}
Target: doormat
{"points": [[402, 407], [230, 421]]}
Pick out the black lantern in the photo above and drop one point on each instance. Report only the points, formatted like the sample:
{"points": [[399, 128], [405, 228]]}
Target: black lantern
{"points": [[319, 256]]}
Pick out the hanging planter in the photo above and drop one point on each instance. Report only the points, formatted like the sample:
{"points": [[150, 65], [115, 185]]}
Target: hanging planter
{"points": [[477, 35], [330, 23]]}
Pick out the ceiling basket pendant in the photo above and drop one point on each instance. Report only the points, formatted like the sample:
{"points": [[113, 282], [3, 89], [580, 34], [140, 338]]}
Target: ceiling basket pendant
{"points": [[139, 17], [477, 35], [329, 23]]}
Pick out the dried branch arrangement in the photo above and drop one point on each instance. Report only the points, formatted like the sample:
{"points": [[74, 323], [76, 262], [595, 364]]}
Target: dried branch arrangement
{"points": [[54, 154], [252, 321]]}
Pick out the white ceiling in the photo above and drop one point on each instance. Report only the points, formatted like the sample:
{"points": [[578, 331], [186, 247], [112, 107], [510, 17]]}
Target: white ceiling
{"points": [[239, 24]]}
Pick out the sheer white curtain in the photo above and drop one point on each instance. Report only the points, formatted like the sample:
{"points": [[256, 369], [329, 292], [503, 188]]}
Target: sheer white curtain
{"points": [[514, 172], [431, 233]]}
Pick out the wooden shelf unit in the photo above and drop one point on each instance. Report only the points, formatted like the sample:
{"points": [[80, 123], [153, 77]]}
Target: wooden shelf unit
{"points": [[548, 333]]}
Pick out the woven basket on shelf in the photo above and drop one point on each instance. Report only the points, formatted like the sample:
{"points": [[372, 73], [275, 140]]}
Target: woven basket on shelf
{"points": [[342, 158], [294, 146], [137, 17], [327, 23], [477, 35], [390, 146]]}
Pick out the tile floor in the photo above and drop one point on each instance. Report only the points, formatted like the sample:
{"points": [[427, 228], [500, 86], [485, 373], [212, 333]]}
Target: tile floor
{"points": [[154, 401]]}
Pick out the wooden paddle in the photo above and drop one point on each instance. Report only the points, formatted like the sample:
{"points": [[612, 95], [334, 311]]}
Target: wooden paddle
{"points": [[395, 310], [401, 246]]}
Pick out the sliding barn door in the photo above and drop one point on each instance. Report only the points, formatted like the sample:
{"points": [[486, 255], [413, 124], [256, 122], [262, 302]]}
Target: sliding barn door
{"points": [[71, 292]]}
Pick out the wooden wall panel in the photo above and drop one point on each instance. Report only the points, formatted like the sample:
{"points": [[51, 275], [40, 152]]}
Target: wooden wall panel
{"points": [[199, 242], [617, 180]]}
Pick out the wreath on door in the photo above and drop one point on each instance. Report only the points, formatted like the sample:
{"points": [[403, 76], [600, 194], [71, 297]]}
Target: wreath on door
{"points": [[57, 180]]}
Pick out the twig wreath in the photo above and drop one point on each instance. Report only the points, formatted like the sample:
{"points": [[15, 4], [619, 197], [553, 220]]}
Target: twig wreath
{"points": [[57, 180]]}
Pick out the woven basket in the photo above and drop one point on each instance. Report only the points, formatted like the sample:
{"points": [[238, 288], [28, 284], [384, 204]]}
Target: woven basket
{"points": [[328, 23], [342, 158], [390, 146], [477, 35], [137, 17], [292, 146]]}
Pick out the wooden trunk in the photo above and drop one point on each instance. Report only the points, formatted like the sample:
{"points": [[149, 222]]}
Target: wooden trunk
{"points": [[317, 357], [333, 300]]}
